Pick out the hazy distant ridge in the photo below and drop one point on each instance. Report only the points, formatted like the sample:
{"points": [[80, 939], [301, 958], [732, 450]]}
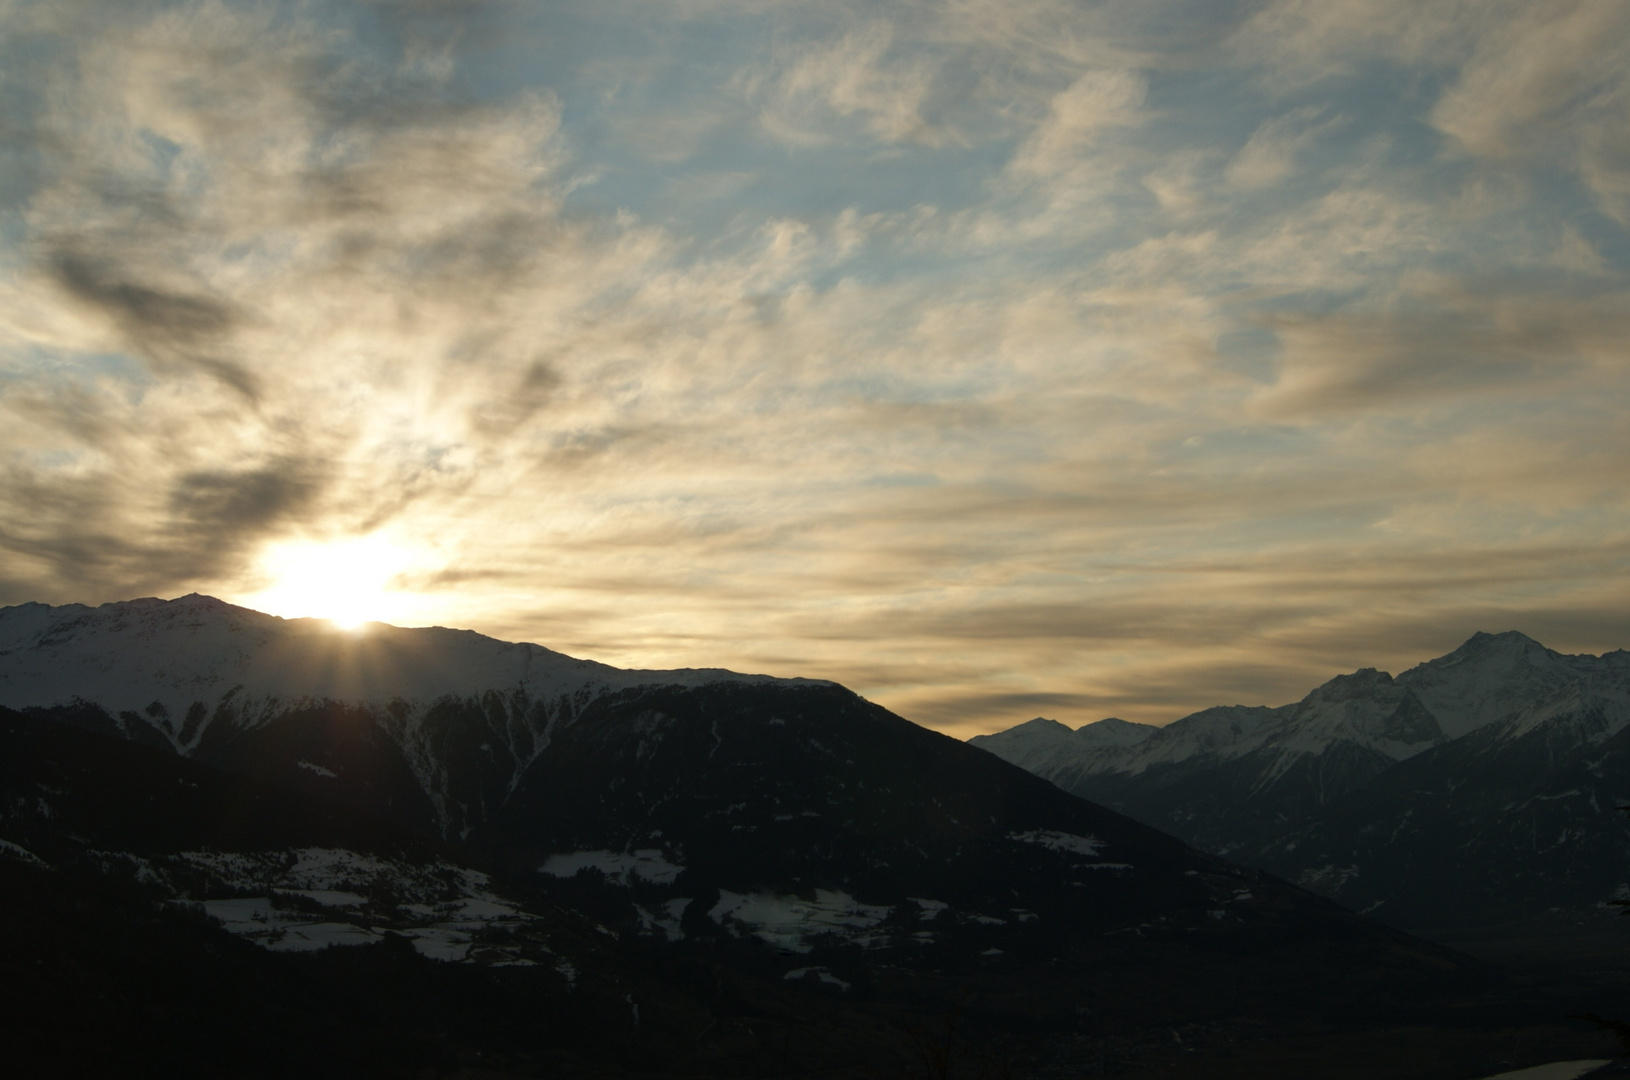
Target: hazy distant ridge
{"points": [[1488, 742]]}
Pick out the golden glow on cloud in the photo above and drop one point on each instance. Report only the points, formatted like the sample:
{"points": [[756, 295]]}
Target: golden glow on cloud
{"points": [[998, 359]]}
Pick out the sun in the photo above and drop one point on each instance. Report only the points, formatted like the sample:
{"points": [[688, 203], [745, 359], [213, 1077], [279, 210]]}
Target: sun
{"points": [[347, 582]]}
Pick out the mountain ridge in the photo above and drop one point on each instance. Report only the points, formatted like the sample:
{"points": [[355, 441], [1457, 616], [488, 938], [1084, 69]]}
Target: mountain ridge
{"points": [[1285, 787], [687, 870], [199, 675]]}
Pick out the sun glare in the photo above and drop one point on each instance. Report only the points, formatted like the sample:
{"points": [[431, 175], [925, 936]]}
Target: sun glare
{"points": [[347, 582]]}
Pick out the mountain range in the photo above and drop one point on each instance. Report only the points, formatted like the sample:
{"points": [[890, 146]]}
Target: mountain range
{"points": [[689, 871], [1474, 789]]}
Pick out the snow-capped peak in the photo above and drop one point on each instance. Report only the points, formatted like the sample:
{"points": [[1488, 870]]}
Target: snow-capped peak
{"points": [[158, 658], [1113, 731], [1488, 679]]}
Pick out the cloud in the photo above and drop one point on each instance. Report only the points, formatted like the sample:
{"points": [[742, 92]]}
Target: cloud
{"points": [[249, 500], [1527, 78], [1467, 347], [1269, 155], [1554, 78], [1096, 102], [1290, 43], [856, 77], [166, 328], [996, 359]]}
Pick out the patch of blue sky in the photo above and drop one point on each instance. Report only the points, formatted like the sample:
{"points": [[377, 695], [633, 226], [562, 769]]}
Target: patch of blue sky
{"points": [[48, 461], [26, 61], [38, 361]]}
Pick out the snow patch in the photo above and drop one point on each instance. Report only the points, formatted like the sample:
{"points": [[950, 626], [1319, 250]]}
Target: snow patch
{"points": [[1053, 840], [668, 922], [444, 910], [822, 973], [930, 908], [793, 923]]}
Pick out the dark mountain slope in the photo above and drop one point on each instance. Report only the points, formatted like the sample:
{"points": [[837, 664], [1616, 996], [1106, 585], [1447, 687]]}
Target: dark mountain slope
{"points": [[112, 965], [1504, 823], [99, 932], [793, 790]]}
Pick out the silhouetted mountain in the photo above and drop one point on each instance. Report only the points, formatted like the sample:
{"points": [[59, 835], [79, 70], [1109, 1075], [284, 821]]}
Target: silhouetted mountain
{"points": [[1472, 789]]}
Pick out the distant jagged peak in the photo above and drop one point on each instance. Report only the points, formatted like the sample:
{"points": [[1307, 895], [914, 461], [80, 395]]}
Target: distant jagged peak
{"points": [[1040, 723], [1363, 683], [1504, 644], [1113, 731], [1042, 732], [1492, 676], [1234, 719], [1039, 732]]}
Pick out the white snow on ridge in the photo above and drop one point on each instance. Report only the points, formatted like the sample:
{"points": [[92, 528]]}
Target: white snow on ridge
{"points": [[127, 656], [182, 666], [1491, 679], [1036, 744], [1493, 676]]}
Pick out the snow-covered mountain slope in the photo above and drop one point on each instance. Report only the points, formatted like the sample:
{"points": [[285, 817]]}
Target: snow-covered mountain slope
{"points": [[197, 650], [1489, 678], [1040, 744], [1247, 782], [1368, 713], [224, 684], [1495, 676]]}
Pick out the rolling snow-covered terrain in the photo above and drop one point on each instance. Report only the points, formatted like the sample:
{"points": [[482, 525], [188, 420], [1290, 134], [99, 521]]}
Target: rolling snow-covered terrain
{"points": [[1476, 786]]}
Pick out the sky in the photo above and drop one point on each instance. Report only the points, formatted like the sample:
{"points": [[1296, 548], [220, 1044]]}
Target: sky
{"points": [[996, 359]]}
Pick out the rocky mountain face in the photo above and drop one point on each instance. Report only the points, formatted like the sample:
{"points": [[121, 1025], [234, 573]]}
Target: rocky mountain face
{"points": [[651, 855], [1475, 788]]}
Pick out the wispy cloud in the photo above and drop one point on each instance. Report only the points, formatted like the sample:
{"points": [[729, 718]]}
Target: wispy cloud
{"points": [[995, 359]]}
